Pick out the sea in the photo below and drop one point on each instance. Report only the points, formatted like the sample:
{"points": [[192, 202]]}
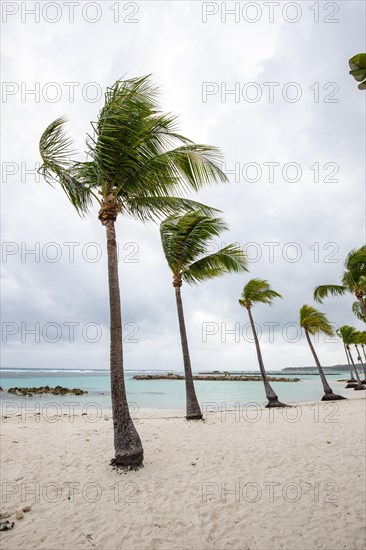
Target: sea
{"points": [[156, 394]]}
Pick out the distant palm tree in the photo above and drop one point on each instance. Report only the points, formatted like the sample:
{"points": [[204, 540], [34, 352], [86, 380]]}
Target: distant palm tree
{"points": [[314, 321], [362, 341], [352, 382], [185, 240], [258, 291], [349, 336], [353, 280], [358, 339], [137, 165]]}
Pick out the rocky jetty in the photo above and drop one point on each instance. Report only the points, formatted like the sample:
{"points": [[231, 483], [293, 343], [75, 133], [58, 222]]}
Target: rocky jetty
{"points": [[58, 390], [215, 377]]}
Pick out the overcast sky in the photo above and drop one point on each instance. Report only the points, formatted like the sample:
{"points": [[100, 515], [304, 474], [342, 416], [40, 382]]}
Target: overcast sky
{"points": [[292, 134]]}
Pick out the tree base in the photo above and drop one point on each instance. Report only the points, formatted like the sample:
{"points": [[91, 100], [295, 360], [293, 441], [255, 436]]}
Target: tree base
{"points": [[130, 461], [361, 387], [351, 385], [274, 402], [332, 397], [363, 381], [194, 417]]}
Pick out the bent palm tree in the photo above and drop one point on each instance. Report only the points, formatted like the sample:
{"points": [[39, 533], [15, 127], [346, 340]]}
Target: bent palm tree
{"points": [[314, 321], [258, 291], [362, 342], [185, 239], [349, 337], [352, 382], [137, 165], [353, 280]]}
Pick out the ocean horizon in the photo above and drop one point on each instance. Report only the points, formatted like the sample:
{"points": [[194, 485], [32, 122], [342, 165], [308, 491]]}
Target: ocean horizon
{"points": [[160, 394]]}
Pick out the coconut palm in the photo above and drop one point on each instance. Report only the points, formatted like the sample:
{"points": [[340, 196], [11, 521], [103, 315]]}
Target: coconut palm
{"points": [[137, 165], [185, 240], [353, 280], [314, 321], [358, 338], [352, 382], [349, 337], [259, 291], [362, 342]]}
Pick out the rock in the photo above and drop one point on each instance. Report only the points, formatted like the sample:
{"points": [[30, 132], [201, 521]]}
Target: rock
{"points": [[27, 508], [19, 514], [4, 525]]}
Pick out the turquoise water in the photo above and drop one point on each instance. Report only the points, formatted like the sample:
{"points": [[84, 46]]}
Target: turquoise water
{"points": [[160, 394]]}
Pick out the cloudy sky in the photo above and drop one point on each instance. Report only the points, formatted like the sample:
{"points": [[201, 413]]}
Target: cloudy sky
{"points": [[266, 82]]}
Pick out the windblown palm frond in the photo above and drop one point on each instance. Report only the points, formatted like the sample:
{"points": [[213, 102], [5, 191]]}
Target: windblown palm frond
{"points": [[313, 321], [348, 334], [323, 291], [356, 308], [185, 240], [258, 291], [230, 259]]}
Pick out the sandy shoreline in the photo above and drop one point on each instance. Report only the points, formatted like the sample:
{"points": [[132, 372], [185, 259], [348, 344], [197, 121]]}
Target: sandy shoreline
{"points": [[249, 479]]}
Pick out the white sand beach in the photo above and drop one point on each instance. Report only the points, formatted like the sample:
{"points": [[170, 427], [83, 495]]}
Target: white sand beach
{"points": [[232, 482]]}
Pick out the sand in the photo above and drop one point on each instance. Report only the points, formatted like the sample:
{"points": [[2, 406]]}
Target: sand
{"points": [[251, 480]]}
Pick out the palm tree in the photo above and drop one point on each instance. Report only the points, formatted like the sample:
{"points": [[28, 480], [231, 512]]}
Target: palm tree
{"points": [[362, 342], [349, 336], [352, 382], [185, 239], [353, 280], [258, 291], [358, 339], [137, 165], [314, 321]]}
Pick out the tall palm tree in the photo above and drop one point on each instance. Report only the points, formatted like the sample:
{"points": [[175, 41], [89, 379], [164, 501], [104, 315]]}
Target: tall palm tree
{"points": [[185, 240], [259, 291], [314, 321], [349, 336], [137, 165], [353, 280]]}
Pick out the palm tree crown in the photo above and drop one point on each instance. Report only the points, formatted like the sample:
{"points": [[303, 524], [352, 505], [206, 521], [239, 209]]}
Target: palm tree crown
{"points": [[314, 321], [257, 291], [185, 240], [348, 334], [353, 280], [138, 163]]}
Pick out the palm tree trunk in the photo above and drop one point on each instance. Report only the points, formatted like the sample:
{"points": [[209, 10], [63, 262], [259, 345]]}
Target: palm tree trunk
{"points": [[328, 392], [193, 410], [359, 383], [352, 381], [127, 443], [360, 360], [270, 393], [362, 305]]}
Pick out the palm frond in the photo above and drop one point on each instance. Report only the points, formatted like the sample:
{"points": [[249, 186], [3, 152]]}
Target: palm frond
{"points": [[357, 310], [230, 259], [58, 166], [314, 321], [322, 291], [157, 208], [258, 291], [348, 334]]}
